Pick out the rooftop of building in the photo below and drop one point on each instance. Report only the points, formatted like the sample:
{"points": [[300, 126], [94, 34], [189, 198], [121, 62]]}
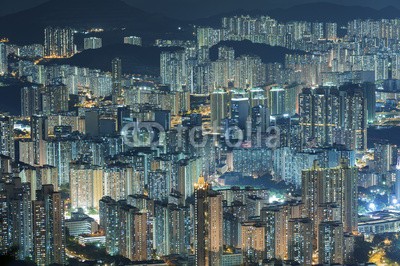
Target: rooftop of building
{"points": [[379, 217]]}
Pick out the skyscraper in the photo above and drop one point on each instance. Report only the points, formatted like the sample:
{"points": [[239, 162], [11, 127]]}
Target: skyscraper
{"points": [[48, 227], [3, 59], [329, 185], [201, 233], [120, 180], [123, 117], [126, 228], [16, 218], [86, 185], [369, 90], [223, 69], [240, 108], [276, 218], [208, 225], [54, 99], [116, 69], [31, 100], [207, 37], [173, 69], [260, 118], [108, 214], [397, 184], [330, 202], [277, 101], [317, 31], [330, 243], [250, 72], [219, 108], [354, 117], [329, 116], [59, 153], [38, 135], [331, 31], [58, 42], [269, 215], [92, 43], [132, 232], [7, 146], [300, 239], [348, 177], [319, 116], [46, 175], [169, 229], [253, 241], [385, 158], [134, 40]]}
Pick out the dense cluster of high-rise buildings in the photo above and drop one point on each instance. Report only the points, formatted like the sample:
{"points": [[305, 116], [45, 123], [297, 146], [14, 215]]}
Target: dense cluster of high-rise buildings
{"points": [[201, 76], [368, 52], [58, 42], [217, 161]]}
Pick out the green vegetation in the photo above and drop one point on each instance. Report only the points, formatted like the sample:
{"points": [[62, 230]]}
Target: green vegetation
{"points": [[362, 249], [64, 190], [92, 211]]}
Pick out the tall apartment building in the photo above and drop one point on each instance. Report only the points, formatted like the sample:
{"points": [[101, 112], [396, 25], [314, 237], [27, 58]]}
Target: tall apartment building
{"points": [[48, 227], [208, 225], [58, 42]]}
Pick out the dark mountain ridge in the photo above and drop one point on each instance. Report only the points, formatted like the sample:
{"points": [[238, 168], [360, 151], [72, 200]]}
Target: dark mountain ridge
{"points": [[135, 59], [146, 60], [27, 26]]}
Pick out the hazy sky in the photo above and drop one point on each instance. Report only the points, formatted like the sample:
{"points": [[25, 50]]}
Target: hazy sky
{"points": [[188, 9]]}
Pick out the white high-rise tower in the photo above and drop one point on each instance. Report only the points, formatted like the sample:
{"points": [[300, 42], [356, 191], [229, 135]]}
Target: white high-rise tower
{"points": [[397, 184]]}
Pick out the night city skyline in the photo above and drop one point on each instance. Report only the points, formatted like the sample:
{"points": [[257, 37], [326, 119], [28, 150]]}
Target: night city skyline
{"points": [[200, 133]]}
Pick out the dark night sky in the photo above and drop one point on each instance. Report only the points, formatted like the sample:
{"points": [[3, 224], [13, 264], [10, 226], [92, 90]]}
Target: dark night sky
{"points": [[189, 9]]}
